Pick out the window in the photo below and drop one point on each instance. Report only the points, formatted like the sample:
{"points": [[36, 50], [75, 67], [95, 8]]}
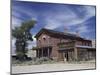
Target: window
{"points": [[83, 43], [88, 44], [44, 37], [49, 40], [39, 41]]}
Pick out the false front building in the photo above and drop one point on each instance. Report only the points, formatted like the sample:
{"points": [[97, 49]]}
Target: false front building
{"points": [[61, 45]]}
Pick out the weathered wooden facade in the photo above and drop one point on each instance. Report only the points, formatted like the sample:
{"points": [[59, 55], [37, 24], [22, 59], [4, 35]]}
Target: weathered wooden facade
{"points": [[61, 45]]}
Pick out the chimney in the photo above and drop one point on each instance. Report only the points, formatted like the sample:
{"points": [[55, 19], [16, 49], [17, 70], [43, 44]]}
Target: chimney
{"points": [[65, 29], [77, 33]]}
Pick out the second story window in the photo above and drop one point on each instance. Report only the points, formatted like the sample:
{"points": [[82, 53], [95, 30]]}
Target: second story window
{"points": [[39, 41], [83, 43], [44, 37], [89, 44]]}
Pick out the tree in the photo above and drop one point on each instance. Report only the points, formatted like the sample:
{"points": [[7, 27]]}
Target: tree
{"points": [[22, 35]]}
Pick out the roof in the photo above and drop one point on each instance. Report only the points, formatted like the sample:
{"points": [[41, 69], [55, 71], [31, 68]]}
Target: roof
{"points": [[59, 34]]}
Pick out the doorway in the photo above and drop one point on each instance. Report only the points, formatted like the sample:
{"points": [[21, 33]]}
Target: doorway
{"points": [[66, 55]]}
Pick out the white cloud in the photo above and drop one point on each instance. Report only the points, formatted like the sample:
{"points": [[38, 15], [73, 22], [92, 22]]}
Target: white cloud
{"points": [[17, 12], [32, 44], [16, 22], [29, 12], [57, 19], [13, 42], [82, 29], [52, 24], [90, 11], [13, 51], [70, 18], [34, 37]]}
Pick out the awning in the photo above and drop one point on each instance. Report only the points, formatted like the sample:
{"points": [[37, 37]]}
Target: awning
{"points": [[88, 47]]}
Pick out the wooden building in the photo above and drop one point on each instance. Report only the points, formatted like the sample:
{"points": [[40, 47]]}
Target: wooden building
{"points": [[61, 45]]}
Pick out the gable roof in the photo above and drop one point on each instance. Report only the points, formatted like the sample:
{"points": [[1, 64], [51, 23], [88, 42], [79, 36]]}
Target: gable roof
{"points": [[59, 34]]}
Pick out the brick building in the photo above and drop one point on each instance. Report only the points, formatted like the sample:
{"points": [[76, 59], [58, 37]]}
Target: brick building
{"points": [[61, 45]]}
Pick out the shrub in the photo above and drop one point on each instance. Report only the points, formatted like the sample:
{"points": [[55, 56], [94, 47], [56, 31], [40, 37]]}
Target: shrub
{"points": [[42, 60]]}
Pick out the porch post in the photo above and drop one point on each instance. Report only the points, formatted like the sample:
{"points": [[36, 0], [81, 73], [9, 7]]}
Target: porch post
{"points": [[42, 52], [48, 52], [37, 53], [75, 54], [88, 54]]}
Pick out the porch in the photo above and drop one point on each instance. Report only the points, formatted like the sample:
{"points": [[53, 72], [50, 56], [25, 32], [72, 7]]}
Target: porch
{"points": [[69, 51], [43, 51], [79, 54]]}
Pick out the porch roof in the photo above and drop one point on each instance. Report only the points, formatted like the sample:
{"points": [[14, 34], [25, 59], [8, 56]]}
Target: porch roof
{"points": [[87, 47]]}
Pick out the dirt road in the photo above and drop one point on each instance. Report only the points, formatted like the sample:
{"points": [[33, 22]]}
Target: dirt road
{"points": [[51, 67]]}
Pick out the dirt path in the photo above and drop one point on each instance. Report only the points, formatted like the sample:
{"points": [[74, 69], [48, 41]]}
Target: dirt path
{"points": [[51, 67]]}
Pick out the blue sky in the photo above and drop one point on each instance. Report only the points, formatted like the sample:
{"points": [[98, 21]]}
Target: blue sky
{"points": [[56, 17]]}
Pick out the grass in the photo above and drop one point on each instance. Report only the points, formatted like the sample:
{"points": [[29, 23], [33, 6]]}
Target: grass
{"points": [[38, 61], [45, 60]]}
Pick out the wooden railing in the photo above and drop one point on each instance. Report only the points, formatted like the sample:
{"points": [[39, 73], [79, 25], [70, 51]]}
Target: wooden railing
{"points": [[44, 44], [66, 44]]}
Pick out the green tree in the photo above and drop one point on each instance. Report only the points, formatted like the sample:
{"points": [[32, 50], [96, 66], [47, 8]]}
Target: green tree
{"points": [[22, 35]]}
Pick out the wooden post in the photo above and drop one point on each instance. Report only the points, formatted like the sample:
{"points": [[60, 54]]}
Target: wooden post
{"points": [[37, 53], [75, 54], [48, 52], [88, 54], [42, 52]]}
